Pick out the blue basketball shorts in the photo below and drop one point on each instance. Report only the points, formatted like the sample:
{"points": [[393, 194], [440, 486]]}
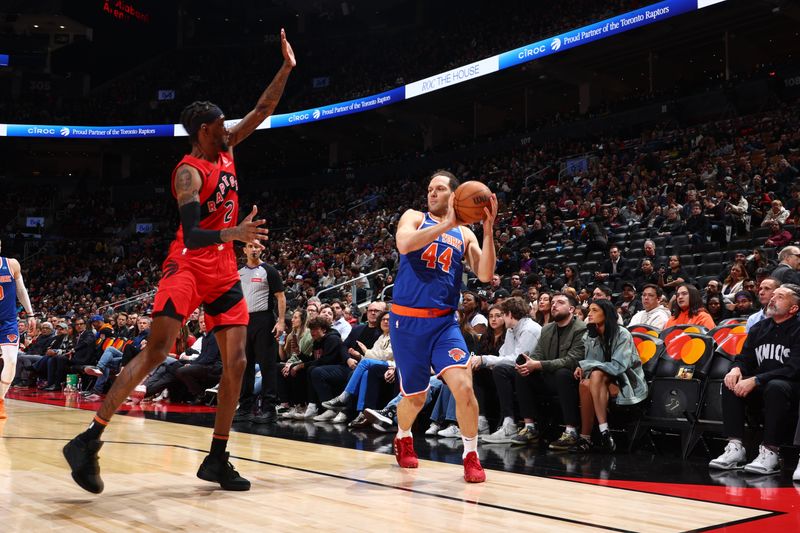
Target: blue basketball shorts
{"points": [[420, 344]]}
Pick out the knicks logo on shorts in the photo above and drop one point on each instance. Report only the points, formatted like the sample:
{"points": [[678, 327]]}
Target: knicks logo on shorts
{"points": [[456, 354], [11, 337], [170, 268]]}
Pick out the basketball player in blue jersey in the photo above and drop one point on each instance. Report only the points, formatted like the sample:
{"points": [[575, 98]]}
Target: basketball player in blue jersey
{"points": [[423, 327], [12, 287]]}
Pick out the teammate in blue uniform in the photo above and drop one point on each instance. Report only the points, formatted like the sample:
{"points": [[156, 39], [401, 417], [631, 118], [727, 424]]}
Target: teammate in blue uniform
{"points": [[12, 287], [423, 327]]}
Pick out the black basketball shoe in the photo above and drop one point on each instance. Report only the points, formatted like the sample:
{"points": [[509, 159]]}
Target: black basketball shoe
{"points": [[82, 458], [220, 470]]}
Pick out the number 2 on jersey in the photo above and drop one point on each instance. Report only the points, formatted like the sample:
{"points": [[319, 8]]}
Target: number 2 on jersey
{"points": [[431, 256]]}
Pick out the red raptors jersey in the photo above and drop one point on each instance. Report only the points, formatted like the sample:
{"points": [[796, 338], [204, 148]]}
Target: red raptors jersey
{"points": [[219, 195]]}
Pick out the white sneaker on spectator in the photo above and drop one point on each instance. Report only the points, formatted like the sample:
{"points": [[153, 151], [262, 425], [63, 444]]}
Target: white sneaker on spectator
{"points": [[503, 435], [163, 396], [330, 414], [93, 371], [433, 429], [450, 432], [767, 462], [796, 475], [483, 426], [137, 394], [310, 412], [340, 418], [295, 411], [732, 458]]}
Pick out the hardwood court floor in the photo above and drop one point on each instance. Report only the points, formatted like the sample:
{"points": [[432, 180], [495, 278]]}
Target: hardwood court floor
{"points": [[149, 470]]}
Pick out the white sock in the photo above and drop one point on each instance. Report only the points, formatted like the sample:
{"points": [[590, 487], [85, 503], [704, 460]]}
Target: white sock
{"points": [[312, 406], [482, 420], [470, 445], [570, 430], [603, 427], [344, 396], [508, 421], [403, 433], [530, 425]]}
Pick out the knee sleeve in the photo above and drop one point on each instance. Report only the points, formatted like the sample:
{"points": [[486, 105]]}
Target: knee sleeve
{"points": [[9, 352]]}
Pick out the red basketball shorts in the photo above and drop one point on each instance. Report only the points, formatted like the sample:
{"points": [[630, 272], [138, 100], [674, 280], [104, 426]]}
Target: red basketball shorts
{"points": [[207, 276]]}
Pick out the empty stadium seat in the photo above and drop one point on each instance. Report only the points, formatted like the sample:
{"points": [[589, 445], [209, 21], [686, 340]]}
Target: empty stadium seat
{"points": [[644, 328], [677, 387], [729, 340], [710, 269], [736, 320], [670, 333], [651, 350]]}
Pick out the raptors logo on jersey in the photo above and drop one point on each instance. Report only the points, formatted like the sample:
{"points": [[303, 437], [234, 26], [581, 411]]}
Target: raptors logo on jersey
{"points": [[219, 194], [225, 181]]}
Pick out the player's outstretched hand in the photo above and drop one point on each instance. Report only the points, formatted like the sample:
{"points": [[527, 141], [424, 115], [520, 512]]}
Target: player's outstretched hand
{"points": [[451, 219], [490, 212], [286, 49], [250, 230]]}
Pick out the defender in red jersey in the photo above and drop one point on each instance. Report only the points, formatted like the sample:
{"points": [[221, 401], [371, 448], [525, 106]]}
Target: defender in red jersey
{"points": [[200, 269]]}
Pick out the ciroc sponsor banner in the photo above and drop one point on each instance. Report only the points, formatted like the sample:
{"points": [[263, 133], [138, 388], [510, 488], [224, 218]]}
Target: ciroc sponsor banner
{"points": [[89, 132], [596, 31], [337, 110]]}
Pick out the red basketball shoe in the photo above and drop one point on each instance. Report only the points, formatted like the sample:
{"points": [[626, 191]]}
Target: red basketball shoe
{"points": [[473, 471], [404, 452]]}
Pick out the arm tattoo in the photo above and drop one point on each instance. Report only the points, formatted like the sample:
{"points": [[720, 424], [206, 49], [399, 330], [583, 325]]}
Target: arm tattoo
{"points": [[184, 188]]}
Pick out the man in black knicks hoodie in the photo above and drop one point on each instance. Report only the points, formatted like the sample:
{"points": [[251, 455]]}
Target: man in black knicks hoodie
{"points": [[768, 372]]}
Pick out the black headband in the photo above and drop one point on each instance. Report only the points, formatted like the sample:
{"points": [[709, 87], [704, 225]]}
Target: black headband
{"points": [[209, 114]]}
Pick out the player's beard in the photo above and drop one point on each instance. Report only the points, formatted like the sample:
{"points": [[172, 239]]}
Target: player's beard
{"points": [[223, 146]]}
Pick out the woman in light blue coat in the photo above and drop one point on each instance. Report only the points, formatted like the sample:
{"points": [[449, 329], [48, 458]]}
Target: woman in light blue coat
{"points": [[610, 369]]}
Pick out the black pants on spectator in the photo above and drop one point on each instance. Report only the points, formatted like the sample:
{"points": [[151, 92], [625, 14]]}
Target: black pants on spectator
{"points": [[376, 384], [779, 399], [162, 377], [261, 348], [326, 382], [58, 366], [504, 375], [197, 378], [534, 387], [293, 389], [26, 368], [57, 369], [485, 390]]}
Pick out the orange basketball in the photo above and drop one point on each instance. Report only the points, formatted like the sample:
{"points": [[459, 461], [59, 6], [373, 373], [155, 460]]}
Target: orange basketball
{"points": [[471, 198]]}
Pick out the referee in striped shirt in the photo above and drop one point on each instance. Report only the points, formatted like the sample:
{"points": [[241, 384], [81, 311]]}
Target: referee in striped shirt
{"points": [[263, 291]]}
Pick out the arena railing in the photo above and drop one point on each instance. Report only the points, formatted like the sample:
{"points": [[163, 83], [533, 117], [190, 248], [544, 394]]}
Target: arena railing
{"points": [[133, 299], [354, 289]]}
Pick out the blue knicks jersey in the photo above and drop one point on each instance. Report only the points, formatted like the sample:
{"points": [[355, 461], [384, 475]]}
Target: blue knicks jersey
{"points": [[8, 296], [430, 278]]}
